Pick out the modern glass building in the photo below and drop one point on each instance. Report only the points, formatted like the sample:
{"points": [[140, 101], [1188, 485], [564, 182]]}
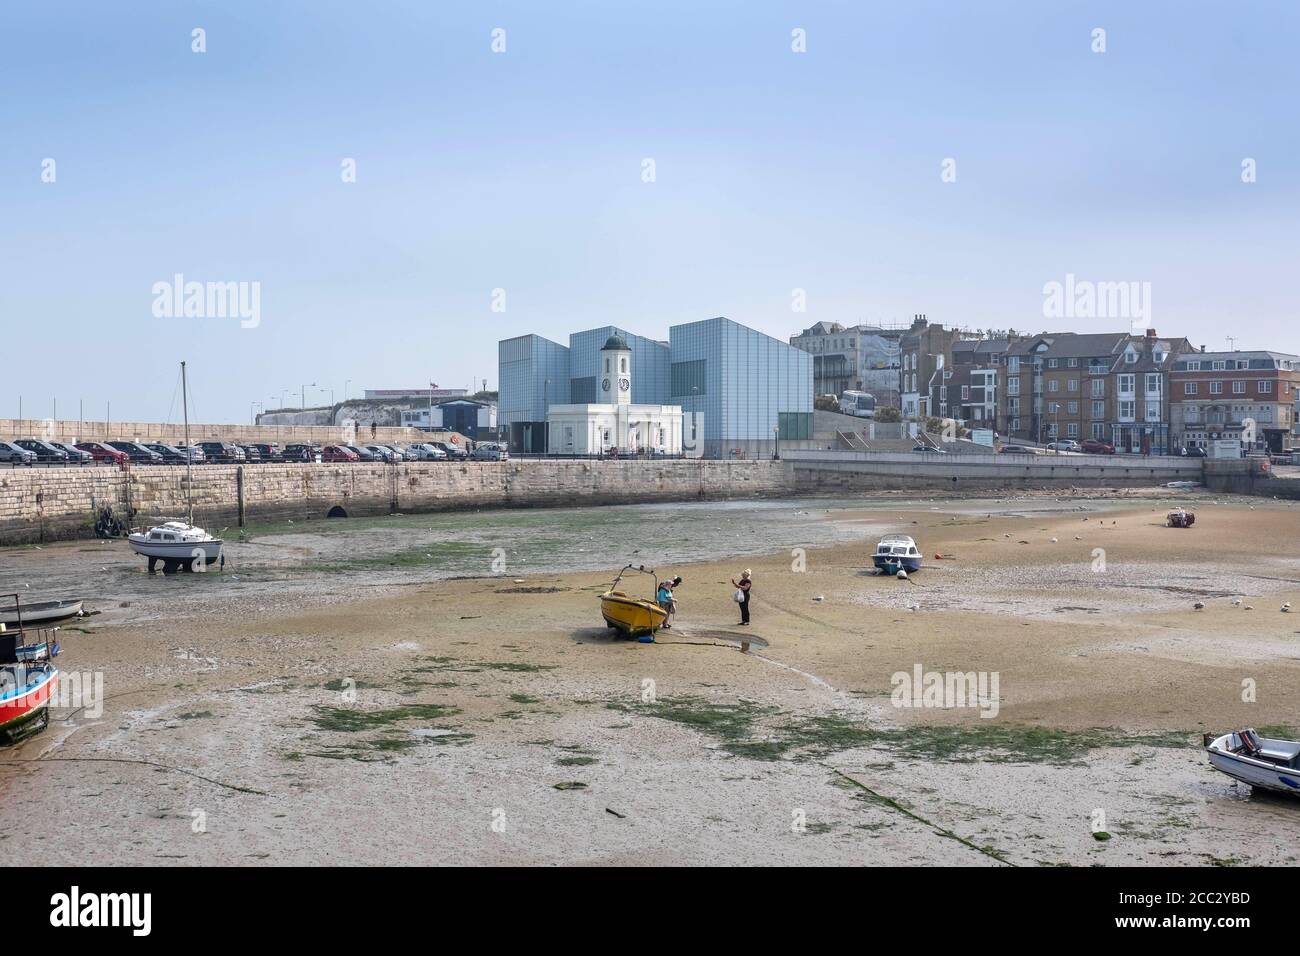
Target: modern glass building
{"points": [[650, 359], [749, 389], [533, 373], [752, 389]]}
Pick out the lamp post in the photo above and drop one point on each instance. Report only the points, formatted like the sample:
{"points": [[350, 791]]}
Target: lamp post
{"points": [[253, 415], [304, 396], [776, 442], [546, 419]]}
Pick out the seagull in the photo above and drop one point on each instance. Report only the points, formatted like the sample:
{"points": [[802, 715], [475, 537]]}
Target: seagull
{"points": [[1286, 607], [1236, 602], [1200, 606], [820, 597], [1249, 608], [1053, 541]]}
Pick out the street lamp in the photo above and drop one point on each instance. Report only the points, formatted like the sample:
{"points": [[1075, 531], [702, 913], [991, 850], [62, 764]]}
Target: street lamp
{"points": [[251, 413], [304, 395], [776, 442]]}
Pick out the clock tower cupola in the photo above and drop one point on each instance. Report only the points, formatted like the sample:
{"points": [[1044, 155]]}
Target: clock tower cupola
{"points": [[616, 371]]}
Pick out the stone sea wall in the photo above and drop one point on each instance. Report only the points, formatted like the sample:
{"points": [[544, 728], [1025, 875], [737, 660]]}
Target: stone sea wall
{"points": [[44, 504]]}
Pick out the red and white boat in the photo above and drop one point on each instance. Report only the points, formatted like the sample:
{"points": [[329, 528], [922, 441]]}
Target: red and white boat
{"points": [[26, 689], [28, 680]]}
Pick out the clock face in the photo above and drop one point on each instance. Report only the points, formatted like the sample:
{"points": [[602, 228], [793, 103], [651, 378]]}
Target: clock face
{"points": [[624, 385], [605, 385]]}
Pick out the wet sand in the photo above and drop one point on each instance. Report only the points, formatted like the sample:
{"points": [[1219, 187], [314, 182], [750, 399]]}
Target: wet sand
{"points": [[372, 693]]}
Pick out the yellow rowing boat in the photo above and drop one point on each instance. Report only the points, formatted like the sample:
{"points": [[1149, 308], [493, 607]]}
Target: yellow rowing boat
{"points": [[632, 615]]}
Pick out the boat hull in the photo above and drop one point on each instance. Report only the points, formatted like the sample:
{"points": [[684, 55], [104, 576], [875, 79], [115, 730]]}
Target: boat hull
{"points": [[183, 553], [1258, 773], [42, 611], [630, 615], [890, 563], [22, 705]]}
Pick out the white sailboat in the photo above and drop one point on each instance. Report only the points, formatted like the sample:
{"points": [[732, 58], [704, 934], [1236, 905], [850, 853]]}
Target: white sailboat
{"points": [[179, 545]]}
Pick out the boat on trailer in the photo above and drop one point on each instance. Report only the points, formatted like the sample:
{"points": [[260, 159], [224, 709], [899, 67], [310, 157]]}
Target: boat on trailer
{"points": [[633, 616], [897, 552], [1268, 763]]}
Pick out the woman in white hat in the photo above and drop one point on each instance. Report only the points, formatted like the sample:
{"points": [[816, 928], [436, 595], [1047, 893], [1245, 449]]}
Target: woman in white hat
{"points": [[742, 593]]}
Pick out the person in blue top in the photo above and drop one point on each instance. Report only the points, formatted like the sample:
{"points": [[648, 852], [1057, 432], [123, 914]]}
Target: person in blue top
{"points": [[664, 598]]}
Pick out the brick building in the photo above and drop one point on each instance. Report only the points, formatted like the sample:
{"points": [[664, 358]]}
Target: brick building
{"points": [[1215, 395], [1107, 386]]}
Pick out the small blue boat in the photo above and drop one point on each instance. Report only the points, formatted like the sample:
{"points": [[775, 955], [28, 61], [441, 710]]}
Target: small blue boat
{"points": [[897, 552]]}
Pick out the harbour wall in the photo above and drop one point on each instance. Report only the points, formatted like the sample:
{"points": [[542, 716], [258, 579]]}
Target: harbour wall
{"points": [[45, 504]]}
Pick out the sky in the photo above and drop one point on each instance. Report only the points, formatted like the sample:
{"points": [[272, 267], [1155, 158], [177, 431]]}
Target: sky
{"points": [[945, 158]]}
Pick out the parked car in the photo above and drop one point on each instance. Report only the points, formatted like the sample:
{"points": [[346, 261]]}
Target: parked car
{"points": [[101, 452], [382, 452], [426, 451], [490, 452], [1192, 451], [170, 454], [220, 452], [300, 451], [16, 455], [43, 450], [365, 454], [75, 454], [338, 453], [270, 451], [929, 448], [1017, 450], [193, 452], [1095, 446], [137, 452], [251, 453], [453, 451], [1065, 444]]}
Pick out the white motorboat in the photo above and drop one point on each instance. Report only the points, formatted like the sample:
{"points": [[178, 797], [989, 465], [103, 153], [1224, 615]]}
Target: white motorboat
{"points": [[180, 546], [897, 552], [1265, 762]]}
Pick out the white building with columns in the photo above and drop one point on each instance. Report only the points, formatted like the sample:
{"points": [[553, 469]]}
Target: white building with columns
{"points": [[615, 426]]}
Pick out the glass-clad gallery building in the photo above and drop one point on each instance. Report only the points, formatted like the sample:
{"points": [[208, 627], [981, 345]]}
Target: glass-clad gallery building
{"points": [[748, 390]]}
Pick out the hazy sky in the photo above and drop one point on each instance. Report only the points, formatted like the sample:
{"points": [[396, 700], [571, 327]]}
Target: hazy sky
{"points": [[523, 171]]}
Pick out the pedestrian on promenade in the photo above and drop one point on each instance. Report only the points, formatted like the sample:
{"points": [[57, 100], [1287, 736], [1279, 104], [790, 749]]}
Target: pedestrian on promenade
{"points": [[743, 587]]}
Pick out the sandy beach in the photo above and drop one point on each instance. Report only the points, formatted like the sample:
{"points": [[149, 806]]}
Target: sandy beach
{"points": [[377, 692]]}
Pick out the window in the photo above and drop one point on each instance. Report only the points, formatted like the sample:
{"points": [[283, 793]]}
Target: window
{"points": [[1189, 388], [1072, 408], [1126, 411], [1015, 425], [1192, 414], [1193, 366], [1052, 363], [1013, 407], [1072, 385], [1098, 388], [607, 365], [1098, 431], [1154, 383], [1153, 411], [1051, 429], [1216, 388], [687, 378], [1218, 366], [1053, 386], [1013, 365], [622, 364], [1130, 358], [965, 393], [1238, 388], [1265, 388], [1127, 383], [1098, 409], [1072, 430], [1073, 363], [1013, 386]]}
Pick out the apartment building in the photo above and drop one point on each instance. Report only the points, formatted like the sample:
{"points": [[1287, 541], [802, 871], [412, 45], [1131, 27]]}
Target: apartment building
{"points": [[966, 388], [1108, 386], [1218, 395], [926, 350]]}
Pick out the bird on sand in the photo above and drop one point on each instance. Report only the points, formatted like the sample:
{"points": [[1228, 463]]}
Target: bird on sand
{"points": [[1199, 605]]}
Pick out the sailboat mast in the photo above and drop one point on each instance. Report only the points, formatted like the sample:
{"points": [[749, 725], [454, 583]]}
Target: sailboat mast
{"points": [[189, 451]]}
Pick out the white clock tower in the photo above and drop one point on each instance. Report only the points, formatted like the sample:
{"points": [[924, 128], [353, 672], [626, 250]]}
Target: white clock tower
{"points": [[616, 371]]}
